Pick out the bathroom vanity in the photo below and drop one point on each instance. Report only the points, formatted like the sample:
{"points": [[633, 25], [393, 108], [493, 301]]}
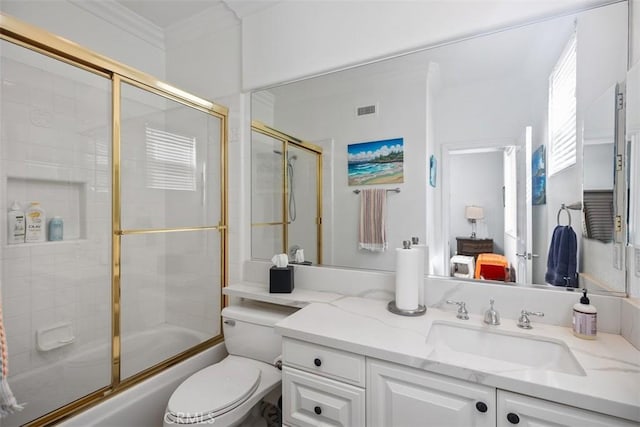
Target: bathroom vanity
{"points": [[351, 362]]}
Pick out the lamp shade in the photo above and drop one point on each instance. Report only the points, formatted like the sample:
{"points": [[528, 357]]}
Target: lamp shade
{"points": [[474, 212]]}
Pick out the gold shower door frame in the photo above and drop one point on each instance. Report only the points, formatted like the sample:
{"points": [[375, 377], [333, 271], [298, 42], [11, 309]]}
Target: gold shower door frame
{"points": [[38, 40], [308, 147]]}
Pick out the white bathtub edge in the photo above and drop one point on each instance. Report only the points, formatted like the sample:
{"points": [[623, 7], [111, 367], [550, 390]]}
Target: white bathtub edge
{"points": [[144, 404]]}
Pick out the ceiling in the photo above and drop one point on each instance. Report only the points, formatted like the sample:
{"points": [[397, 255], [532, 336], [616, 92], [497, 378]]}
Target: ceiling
{"points": [[164, 13]]}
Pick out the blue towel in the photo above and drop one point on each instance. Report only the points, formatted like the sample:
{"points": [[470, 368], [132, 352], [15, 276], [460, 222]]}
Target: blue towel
{"points": [[562, 261]]}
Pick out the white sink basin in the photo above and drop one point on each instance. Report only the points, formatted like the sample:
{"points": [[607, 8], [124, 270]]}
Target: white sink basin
{"points": [[511, 347]]}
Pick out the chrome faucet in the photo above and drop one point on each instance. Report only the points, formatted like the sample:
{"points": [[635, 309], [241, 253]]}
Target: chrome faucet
{"points": [[462, 309], [491, 316], [524, 322]]}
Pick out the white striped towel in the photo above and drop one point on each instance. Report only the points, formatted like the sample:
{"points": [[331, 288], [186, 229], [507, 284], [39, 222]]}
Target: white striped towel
{"points": [[8, 403], [372, 234]]}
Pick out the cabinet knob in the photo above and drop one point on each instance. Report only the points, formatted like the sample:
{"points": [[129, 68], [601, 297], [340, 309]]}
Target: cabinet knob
{"points": [[317, 362], [317, 409], [513, 418], [481, 406]]}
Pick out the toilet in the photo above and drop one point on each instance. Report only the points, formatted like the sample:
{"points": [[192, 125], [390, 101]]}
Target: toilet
{"points": [[228, 392]]}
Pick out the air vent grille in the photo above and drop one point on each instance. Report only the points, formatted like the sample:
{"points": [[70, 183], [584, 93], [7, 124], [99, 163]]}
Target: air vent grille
{"points": [[366, 110]]}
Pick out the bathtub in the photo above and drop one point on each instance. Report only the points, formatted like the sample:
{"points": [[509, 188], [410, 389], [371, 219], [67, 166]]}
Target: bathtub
{"points": [[88, 368]]}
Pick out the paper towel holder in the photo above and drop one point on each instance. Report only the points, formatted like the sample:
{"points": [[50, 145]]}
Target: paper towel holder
{"points": [[392, 307]]}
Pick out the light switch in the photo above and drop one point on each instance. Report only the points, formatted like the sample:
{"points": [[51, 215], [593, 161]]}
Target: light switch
{"points": [[637, 261]]}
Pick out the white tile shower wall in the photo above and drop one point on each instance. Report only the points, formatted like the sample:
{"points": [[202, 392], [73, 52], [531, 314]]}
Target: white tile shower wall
{"points": [[54, 132]]}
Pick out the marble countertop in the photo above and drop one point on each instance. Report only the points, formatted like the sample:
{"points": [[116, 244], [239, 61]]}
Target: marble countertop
{"points": [[364, 326]]}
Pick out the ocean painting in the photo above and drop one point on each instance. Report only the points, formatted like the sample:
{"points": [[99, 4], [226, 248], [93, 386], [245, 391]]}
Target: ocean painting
{"points": [[377, 162]]}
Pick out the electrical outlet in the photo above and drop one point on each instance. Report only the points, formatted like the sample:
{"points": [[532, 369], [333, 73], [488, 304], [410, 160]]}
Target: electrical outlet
{"points": [[637, 261]]}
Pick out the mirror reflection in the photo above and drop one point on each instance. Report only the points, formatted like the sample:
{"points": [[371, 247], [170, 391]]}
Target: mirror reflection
{"points": [[502, 141]]}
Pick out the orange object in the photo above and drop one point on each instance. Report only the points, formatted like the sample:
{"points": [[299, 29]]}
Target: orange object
{"points": [[492, 267]]}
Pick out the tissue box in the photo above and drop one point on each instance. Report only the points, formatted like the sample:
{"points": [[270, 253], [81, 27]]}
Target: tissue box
{"points": [[281, 280]]}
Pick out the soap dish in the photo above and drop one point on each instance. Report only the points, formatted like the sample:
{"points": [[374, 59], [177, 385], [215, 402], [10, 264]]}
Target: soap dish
{"points": [[392, 307]]}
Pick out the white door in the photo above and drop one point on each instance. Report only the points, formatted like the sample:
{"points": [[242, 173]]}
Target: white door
{"points": [[510, 194], [399, 396], [518, 207]]}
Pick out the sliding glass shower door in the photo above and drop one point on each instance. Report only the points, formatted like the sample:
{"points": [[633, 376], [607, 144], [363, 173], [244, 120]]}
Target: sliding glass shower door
{"points": [[286, 196], [55, 149], [170, 209], [135, 170]]}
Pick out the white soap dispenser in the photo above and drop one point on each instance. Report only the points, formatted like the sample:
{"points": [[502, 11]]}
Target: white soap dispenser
{"points": [[585, 318]]}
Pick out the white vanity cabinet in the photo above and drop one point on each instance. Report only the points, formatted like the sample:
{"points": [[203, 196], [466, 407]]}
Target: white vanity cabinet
{"points": [[401, 396], [519, 410], [321, 386]]}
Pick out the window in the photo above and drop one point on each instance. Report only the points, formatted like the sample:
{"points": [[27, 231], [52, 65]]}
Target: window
{"points": [[171, 160], [562, 110]]}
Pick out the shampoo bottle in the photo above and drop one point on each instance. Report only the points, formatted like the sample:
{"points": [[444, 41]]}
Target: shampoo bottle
{"points": [[16, 224], [585, 318], [36, 223]]}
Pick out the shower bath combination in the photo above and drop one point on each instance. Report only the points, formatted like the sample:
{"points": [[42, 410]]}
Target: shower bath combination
{"points": [[292, 196]]}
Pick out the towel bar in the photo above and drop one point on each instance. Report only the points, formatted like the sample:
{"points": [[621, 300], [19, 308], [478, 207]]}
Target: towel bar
{"points": [[395, 190]]}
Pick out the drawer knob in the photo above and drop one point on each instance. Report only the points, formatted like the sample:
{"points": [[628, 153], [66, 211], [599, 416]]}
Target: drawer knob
{"points": [[513, 418], [481, 406], [317, 362], [317, 409]]}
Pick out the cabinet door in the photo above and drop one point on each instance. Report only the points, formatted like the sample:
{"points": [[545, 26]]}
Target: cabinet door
{"points": [[516, 409], [400, 396], [311, 400]]}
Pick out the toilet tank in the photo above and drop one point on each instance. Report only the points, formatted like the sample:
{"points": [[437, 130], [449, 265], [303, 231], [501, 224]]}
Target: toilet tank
{"points": [[248, 330]]}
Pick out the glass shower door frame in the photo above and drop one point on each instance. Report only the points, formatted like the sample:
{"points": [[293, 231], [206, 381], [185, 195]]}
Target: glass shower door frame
{"points": [[316, 150], [33, 38]]}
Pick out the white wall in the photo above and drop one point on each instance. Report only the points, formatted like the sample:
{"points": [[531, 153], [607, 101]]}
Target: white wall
{"points": [[296, 39], [402, 112], [82, 23]]}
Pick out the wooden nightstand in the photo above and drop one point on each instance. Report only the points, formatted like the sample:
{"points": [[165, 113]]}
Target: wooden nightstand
{"points": [[474, 247]]}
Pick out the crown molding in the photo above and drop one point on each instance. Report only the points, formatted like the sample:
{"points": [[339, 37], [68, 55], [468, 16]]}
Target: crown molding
{"points": [[243, 8], [122, 17], [211, 20]]}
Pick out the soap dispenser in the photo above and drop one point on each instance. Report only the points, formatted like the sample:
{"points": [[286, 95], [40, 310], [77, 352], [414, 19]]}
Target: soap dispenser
{"points": [[585, 318]]}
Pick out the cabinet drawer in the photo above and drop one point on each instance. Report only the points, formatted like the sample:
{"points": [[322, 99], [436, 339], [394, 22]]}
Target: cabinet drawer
{"points": [[311, 400], [530, 411], [329, 362]]}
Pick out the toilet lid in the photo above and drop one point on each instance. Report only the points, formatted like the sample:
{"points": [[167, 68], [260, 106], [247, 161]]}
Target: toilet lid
{"points": [[214, 390]]}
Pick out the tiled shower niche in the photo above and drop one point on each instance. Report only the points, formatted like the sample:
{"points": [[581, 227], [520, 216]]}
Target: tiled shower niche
{"points": [[58, 198]]}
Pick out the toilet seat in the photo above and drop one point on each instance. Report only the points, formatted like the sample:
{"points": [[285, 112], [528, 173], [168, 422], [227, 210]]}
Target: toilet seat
{"points": [[213, 391]]}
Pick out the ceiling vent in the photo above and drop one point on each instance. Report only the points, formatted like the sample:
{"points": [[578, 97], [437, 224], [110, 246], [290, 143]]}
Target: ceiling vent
{"points": [[367, 110]]}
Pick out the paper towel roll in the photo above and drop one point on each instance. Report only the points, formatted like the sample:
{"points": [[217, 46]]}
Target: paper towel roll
{"points": [[420, 272], [407, 293]]}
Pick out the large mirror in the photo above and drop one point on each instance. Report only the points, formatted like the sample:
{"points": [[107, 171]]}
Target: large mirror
{"points": [[490, 149]]}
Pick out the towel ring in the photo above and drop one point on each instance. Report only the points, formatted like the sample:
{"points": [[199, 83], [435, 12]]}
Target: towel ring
{"points": [[564, 208]]}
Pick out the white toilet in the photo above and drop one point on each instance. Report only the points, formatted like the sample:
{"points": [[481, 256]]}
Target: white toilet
{"points": [[224, 394]]}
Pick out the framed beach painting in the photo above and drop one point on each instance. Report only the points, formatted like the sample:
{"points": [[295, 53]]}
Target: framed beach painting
{"points": [[376, 162]]}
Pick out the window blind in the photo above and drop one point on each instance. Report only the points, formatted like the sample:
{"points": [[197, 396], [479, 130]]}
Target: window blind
{"points": [[562, 110], [171, 160]]}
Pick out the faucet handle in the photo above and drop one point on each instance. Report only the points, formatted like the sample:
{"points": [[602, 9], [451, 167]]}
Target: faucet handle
{"points": [[491, 316], [524, 322], [462, 309]]}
